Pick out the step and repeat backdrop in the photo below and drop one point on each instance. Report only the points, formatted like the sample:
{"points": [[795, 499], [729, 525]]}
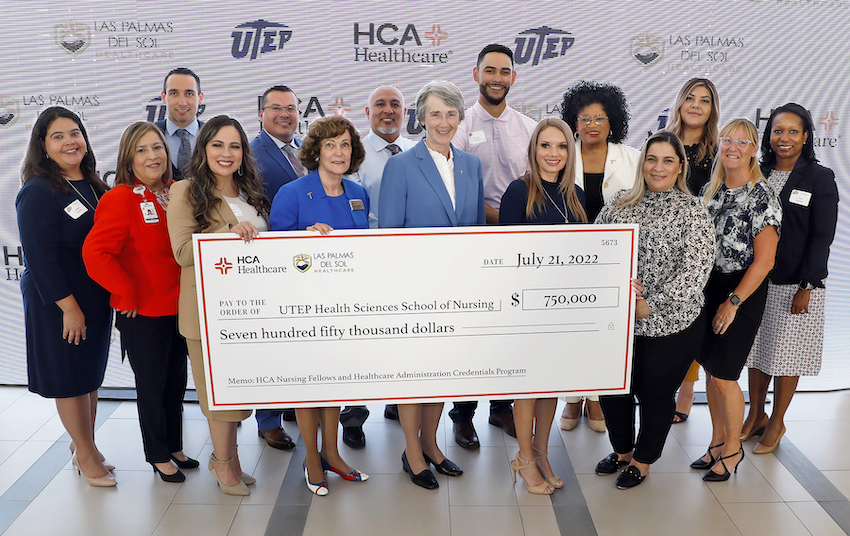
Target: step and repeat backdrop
{"points": [[106, 61]]}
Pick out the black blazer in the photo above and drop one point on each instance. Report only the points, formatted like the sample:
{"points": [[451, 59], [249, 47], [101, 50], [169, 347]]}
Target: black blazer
{"points": [[807, 227], [175, 173]]}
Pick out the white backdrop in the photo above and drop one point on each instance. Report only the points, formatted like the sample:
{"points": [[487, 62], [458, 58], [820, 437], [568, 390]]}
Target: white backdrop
{"points": [[106, 61]]}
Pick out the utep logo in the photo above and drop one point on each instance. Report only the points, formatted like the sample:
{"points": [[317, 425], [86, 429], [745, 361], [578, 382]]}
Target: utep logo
{"points": [[530, 48], [647, 49], [828, 121], [302, 262], [10, 111], [256, 31], [223, 266], [73, 37], [157, 111]]}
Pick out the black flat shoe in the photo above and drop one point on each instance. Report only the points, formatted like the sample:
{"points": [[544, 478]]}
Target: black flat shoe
{"points": [[425, 479], [188, 464], [446, 467], [629, 478], [176, 477], [610, 465], [701, 464], [711, 476]]}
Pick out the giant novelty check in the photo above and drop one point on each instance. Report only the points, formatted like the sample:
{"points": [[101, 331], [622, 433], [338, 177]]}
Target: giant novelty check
{"points": [[416, 315]]}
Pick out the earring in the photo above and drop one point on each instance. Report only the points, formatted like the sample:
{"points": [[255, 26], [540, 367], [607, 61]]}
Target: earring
{"points": [[316, 159], [239, 171], [576, 136]]}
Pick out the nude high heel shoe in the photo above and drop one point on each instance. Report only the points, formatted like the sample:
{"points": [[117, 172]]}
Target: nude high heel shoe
{"points": [[555, 481], [761, 448], [105, 481], [237, 489], [566, 423], [73, 447], [517, 464]]}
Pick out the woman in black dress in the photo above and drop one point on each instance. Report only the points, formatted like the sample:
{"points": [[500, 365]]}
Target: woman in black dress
{"points": [[67, 315]]}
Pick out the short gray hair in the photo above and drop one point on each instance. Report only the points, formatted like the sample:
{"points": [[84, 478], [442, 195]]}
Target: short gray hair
{"points": [[448, 92]]}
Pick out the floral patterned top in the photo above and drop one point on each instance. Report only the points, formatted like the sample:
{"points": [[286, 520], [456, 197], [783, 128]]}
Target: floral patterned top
{"points": [[739, 215], [675, 256]]}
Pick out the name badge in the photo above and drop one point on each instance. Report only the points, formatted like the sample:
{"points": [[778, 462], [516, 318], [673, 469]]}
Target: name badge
{"points": [[236, 210], [149, 212], [356, 204], [800, 197], [139, 190], [477, 137], [76, 209]]}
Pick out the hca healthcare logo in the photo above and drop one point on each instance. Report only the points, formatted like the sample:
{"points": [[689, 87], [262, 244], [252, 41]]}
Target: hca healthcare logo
{"points": [[251, 39], [539, 44], [389, 42]]}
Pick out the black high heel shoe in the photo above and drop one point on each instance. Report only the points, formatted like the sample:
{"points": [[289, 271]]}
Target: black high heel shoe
{"points": [[189, 463], [424, 479], [175, 478], [711, 476], [446, 467], [701, 464]]}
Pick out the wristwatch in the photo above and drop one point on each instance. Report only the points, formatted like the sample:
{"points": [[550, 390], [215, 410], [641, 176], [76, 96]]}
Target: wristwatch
{"points": [[734, 299], [805, 285]]}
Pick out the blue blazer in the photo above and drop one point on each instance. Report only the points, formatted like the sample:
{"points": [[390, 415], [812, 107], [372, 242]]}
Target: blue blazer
{"points": [[413, 193], [176, 174], [303, 202], [807, 229], [272, 163]]}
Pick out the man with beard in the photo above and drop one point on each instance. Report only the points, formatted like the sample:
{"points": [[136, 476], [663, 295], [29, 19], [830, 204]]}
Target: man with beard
{"points": [[499, 136], [385, 111]]}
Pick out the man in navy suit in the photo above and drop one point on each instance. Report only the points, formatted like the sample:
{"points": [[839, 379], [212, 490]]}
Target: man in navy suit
{"points": [[279, 117], [181, 93], [276, 143]]}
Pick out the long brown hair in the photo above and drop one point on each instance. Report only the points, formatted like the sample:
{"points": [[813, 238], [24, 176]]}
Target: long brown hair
{"points": [[127, 149], [566, 177], [37, 164], [638, 190], [201, 192], [708, 142]]}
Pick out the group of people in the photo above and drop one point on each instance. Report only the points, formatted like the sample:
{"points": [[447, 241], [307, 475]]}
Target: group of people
{"points": [[731, 264]]}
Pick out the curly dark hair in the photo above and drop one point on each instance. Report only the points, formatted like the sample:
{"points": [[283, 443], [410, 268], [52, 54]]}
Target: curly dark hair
{"points": [[201, 192], [610, 96], [37, 164], [768, 156], [330, 127]]}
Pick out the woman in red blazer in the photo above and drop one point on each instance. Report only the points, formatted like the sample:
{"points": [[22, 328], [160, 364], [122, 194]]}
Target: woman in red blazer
{"points": [[128, 252]]}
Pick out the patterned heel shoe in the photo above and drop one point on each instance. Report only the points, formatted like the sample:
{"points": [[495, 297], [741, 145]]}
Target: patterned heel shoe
{"points": [[320, 489], [353, 476]]}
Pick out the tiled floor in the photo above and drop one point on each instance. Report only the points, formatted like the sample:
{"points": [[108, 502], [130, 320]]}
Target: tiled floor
{"points": [[801, 489]]}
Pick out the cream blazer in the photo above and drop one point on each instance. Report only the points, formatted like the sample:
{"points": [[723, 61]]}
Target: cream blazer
{"points": [[620, 169]]}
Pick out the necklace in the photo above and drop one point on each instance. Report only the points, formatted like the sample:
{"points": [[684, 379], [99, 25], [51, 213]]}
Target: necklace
{"points": [[86, 201], [549, 197]]}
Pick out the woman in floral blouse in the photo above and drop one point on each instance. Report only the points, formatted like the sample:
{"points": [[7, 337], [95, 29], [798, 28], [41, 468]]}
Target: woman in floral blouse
{"points": [[675, 254], [746, 213]]}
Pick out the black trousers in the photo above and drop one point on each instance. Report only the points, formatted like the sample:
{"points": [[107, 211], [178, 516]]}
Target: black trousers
{"points": [[463, 411], [658, 368], [157, 353]]}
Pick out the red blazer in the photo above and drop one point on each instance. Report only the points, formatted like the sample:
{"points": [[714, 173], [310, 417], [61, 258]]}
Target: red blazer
{"points": [[130, 257]]}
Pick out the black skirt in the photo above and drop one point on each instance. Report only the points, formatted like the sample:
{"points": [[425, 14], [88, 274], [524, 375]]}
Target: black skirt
{"points": [[724, 356]]}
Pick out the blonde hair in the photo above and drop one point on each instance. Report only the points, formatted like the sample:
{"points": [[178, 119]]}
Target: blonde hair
{"points": [[566, 177], [718, 172], [638, 190], [708, 142]]}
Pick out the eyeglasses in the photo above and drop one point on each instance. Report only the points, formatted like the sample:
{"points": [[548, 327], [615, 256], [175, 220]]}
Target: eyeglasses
{"points": [[278, 109], [586, 119], [741, 143]]}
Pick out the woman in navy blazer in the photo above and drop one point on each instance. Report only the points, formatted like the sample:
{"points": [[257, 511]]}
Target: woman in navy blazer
{"points": [[789, 343], [321, 201], [431, 185]]}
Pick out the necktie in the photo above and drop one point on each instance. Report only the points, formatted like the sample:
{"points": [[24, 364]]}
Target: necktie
{"points": [[394, 149], [185, 151], [293, 160]]}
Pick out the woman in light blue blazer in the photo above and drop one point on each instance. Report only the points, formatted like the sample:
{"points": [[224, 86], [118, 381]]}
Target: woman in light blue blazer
{"points": [[322, 201], [431, 185]]}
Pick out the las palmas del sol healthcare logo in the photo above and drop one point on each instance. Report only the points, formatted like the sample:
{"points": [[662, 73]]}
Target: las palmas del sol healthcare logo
{"points": [[72, 36]]}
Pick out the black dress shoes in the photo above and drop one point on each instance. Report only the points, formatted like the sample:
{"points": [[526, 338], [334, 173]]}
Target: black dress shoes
{"points": [[391, 411], [629, 478], [465, 435], [425, 479], [288, 415], [354, 437], [446, 467], [277, 438], [505, 421], [610, 465], [188, 463]]}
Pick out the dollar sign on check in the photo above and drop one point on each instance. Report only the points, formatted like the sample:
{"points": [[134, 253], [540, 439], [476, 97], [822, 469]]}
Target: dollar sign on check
{"points": [[514, 299]]}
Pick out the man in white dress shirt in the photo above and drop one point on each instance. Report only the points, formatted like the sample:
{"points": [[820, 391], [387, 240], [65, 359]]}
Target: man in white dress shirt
{"points": [[498, 135], [386, 112]]}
